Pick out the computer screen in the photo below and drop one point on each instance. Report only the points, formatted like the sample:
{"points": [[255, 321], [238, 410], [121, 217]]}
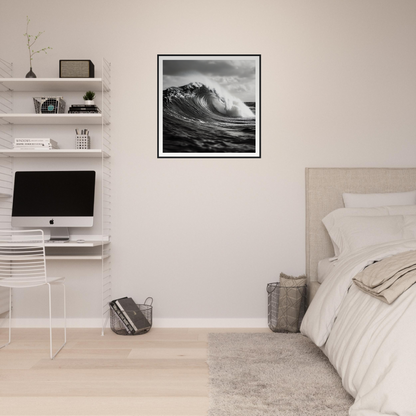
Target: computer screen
{"points": [[53, 199]]}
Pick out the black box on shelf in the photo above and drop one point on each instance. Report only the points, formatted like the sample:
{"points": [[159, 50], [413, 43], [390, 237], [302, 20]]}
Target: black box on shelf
{"points": [[75, 68]]}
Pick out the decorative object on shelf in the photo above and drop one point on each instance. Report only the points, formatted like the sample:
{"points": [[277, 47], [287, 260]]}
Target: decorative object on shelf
{"points": [[83, 109], [71, 68], [34, 144], [89, 98], [30, 74], [82, 141], [30, 42], [49, 105], [209, 106]]}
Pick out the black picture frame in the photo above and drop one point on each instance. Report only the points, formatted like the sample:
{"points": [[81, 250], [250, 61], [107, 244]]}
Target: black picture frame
{"points": [[209, 106]]}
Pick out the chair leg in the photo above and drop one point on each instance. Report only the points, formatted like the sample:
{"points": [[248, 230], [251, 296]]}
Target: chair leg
{"points": [[63, 285], [50, 322], [10, 318]]}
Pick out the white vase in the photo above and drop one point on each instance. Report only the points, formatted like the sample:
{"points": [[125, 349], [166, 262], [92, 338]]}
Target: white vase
{"points": [[89, 102]]}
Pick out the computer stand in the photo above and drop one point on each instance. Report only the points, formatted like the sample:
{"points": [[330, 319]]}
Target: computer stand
{"points": [[59, 234]]}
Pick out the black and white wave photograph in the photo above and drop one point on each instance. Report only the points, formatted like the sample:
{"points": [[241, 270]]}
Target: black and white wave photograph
{"points": [[209, 106]]}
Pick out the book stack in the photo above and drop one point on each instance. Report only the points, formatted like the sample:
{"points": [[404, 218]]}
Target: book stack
{"points": [[83, 109], [35, 144], [130, 315]]}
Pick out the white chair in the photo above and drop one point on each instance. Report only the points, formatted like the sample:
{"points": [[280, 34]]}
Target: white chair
{"points": [[23, 265]]}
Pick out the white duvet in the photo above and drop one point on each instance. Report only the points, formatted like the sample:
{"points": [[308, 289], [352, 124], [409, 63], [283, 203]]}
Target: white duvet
{"points": [[370, 343]]}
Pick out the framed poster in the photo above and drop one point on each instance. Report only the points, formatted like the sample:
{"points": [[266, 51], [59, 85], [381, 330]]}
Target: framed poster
{"points": [[208, 106]]}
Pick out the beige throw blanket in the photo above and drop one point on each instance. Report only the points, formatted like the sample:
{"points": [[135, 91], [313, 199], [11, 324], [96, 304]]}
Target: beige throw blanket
{"points": [[290, 299], [389, 278]]}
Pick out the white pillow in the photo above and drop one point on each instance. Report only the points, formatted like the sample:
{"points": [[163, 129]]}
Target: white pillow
{"points": [[333, 218], [352, 233], [379, 200]]}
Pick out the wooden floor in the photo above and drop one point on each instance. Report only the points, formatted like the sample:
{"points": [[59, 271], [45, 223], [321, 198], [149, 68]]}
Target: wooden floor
{"points": [[162, 373]]}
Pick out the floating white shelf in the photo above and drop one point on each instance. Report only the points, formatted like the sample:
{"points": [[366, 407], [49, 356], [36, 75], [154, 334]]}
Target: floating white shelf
{"points": [[81, 257], [85, 244], [38, 119], [82, 153], [60, 244], [52, 84]]}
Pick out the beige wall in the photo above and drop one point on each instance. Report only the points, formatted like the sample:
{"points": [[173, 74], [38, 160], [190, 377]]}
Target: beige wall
{"points": [[203, 237]]}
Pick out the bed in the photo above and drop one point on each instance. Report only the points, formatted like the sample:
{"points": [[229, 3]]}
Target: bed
{"points": [[370, 343]]}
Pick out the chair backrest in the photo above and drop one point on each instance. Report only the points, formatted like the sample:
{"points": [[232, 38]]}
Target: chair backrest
{"points": [[22, 258]]}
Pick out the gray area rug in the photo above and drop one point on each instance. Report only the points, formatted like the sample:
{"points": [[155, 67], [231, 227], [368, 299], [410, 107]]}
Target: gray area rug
{"points": [[272, 374]]}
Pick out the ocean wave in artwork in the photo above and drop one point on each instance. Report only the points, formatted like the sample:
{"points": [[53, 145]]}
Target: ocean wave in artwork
{"points": [[202, 119]]}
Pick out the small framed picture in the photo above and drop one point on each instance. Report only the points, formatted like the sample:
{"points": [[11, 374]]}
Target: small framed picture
{"points": [[209, 106]]}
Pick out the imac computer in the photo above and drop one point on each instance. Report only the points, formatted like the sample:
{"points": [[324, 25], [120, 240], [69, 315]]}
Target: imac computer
{"points": [[54, 199]]}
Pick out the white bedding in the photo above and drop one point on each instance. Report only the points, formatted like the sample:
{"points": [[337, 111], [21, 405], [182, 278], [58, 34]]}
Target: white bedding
{"points": [[325, 267], [371, 344]]}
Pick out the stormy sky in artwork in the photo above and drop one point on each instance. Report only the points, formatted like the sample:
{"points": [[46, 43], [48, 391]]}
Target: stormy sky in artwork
{"points": [[236, 76]]}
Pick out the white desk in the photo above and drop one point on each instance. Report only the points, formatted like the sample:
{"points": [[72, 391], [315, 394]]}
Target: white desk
{"points": [[72, 250], [74, 243]]}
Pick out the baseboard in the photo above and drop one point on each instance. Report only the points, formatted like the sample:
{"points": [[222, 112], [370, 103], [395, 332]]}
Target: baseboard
{"points": [[157, 323], [210, 323], [44, 323]]}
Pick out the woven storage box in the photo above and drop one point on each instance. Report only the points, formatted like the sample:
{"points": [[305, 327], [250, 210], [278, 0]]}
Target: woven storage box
{"points": [[82, 141], [286, 307], [49, 105], [117, 326]]}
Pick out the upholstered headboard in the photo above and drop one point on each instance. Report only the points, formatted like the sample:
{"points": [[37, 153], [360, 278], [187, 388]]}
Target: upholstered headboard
{"points": [[324, 189]]}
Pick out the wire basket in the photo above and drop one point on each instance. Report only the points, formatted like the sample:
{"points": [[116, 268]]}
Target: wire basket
{"points": [[49, 105], [286, 307], [117, 325]]}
